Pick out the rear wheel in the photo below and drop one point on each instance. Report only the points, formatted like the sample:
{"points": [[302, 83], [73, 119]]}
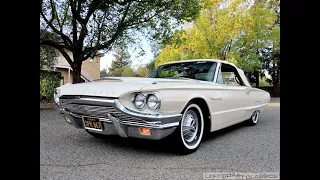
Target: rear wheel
{"points": [[190, 131], [254, 118]]}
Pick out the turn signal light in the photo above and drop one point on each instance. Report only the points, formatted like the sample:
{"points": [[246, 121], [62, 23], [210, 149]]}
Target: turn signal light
{"points": [[145, 131]]}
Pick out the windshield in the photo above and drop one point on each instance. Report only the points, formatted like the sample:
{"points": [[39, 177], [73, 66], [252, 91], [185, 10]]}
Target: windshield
{"points": [[199, 70]]}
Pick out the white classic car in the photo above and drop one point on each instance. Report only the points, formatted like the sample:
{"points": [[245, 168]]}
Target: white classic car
{"points": [[183, 99]]}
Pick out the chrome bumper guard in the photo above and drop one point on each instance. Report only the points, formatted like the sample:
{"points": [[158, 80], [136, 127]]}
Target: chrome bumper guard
{"points": [[116, 119]]}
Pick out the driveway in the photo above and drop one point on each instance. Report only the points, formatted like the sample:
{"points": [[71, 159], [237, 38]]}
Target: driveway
{"points": [[70, 153]]}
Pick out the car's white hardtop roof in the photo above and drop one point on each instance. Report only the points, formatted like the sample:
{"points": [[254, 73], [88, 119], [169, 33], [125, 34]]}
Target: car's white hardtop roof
{"points": [[194, 60]]}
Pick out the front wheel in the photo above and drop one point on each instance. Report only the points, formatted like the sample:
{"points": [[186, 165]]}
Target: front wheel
{"points": [[190, 131]]}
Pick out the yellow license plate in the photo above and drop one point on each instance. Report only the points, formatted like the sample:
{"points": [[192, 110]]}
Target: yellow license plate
{"points": [[92, 123]]}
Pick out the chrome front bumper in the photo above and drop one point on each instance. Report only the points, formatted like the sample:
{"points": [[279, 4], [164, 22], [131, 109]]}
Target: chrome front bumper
{"points": [[116, 119]]}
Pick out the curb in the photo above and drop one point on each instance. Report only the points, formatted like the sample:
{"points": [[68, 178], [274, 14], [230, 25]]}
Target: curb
{"points": [[275, 99], [46, 106], [274, 104]]}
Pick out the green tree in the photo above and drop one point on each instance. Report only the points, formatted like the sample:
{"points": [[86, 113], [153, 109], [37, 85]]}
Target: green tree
{"points": [[235, 31], [151, 66], [226, 30], [214, 32], [47, 53], [122, 59], [143, 71], [114, 70], [270, 56], [103, 72], [87, 26], [247, 50], [127, 71]]}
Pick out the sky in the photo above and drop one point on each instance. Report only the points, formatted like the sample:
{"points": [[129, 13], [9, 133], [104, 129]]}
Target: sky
{"points": [[105, 61]]}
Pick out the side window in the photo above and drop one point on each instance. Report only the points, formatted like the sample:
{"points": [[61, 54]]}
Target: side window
{"points": [[229, 75]]}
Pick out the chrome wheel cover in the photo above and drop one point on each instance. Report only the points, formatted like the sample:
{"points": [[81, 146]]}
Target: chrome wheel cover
{"points": [[255, 117], [190, 126]]}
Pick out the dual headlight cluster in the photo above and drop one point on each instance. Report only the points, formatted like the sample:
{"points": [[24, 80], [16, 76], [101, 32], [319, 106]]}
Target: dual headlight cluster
{"points": [[152, 101]]}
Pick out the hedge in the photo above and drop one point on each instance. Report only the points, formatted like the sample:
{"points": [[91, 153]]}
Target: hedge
{"points": [[49, 80]]}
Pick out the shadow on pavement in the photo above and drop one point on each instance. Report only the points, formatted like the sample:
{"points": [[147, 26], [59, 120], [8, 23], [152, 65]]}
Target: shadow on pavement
{"points": [[165, 146], [143, 145], [212, 135]]}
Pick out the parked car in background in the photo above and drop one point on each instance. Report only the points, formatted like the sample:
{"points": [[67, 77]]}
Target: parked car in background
{"points": [[183, 99]]}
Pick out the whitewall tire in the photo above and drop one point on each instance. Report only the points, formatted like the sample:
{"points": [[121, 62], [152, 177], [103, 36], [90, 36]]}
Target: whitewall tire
{"points": [[190, 131]]}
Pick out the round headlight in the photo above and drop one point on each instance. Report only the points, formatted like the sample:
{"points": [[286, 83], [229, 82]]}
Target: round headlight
{"points": [[139, 101], [56, 96], [153, 102]]}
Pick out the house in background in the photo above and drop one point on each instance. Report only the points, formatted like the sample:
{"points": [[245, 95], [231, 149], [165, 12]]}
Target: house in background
{"points": [[90, 69]]}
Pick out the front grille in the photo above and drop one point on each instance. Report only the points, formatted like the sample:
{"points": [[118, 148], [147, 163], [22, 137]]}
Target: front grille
{"points": [[88, 110], [100, 111]]}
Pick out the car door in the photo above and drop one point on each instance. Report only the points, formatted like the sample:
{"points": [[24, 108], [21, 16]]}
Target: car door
{"points": [[236, 98]]}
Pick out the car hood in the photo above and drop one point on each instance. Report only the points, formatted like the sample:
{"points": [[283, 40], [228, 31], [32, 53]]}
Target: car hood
{"points": [[117, 86]]}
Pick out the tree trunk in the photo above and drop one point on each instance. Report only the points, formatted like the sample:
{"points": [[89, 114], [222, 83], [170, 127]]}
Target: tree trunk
{"points": [[76, 73], [276, 77], [256, 75], [276, 89]]}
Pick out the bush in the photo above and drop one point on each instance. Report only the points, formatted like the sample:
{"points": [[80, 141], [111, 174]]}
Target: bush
{"points": [[264, 83], [49, 80]]}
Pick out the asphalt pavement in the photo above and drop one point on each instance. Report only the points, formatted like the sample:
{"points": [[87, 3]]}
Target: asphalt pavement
{"points": [[70, 153]]}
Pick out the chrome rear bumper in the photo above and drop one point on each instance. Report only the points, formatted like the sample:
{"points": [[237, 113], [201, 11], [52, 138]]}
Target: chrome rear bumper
{"points": [[116, 119]]}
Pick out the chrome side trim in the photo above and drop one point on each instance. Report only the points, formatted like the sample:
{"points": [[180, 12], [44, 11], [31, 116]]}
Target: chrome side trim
{"points": [[216, 98], [238, 109]]}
